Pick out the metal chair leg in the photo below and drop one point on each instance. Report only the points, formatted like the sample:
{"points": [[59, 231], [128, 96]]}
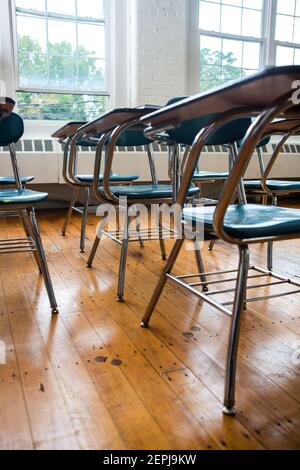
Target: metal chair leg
{"points": [[70, 211], [211, 245], [84, 218], [162, 282], [93, 252], [43, 262], [161, 239], [238, 308], [138, 229], [25, 219], [201, 269], [118, 224], [234, 151], [123, 259], [271, 244], [96, 243], [270, 256]]}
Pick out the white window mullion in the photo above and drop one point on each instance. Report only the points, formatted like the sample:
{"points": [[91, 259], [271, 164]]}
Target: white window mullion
{"points": [[269, 52], [8, 62], [238, 35], [117, 50], [47, 42], [193, 38]]}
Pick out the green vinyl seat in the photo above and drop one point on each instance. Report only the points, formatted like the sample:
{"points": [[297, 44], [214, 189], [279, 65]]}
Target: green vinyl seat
{"points": [[209, 175], [10, 180], [21, 197], [146, 191], [114, 178], [249, 221], [273, 185]]}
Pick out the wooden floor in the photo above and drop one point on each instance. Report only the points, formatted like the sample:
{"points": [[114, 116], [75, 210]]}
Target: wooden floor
{"points": [[93, 379]]}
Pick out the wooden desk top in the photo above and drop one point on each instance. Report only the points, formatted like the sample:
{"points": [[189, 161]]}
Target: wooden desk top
{"points": [[256, 92], [115, 118], [6, 107], [67, 130]]}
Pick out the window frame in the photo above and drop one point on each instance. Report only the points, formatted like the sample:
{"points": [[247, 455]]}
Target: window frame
{"points": [[293, 45], [116, 50], [268, 41], [55, 90]]}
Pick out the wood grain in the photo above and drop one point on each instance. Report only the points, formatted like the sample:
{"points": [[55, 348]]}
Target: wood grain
{"points": [[93, 379]]}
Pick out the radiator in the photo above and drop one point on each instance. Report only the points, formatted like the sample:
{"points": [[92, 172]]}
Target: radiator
{"points": [[43, 159]]}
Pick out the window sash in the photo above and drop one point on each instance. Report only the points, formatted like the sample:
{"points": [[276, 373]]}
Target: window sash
{"points": [[16, 11], [242, 9], [268, 43], [58, 16], [238, 37]]}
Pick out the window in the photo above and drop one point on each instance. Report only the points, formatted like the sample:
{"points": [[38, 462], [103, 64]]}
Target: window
{"points": [[231, 39], [61, 59], [238, 37], [288, 32]]}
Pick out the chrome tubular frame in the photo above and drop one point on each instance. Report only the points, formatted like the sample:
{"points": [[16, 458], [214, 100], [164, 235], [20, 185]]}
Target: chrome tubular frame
{"points": [[15, 166], [174, 162], [32, 243], [266, 192], [254, 135], [241, 193], [126, 235], [42, 261], [69, 175]]}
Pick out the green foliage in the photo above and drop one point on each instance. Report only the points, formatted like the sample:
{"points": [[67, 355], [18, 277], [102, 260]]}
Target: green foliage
{"points": [[58, 70], [217, 68], [63, 107], [66, 68]]}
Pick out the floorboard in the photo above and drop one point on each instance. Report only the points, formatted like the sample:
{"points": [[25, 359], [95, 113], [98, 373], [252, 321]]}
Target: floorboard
{"points": [[93, 379]]}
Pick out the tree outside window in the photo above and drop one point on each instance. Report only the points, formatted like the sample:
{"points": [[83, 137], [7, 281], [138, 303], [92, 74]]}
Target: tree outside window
{"points": [[61, 59]]}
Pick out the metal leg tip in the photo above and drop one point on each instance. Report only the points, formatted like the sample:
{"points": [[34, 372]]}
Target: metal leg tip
{"points": [[120, 298], [55, 311], [63, 234], [205, 289], [144, 324], [89, 265], [211, 246], [81, 250], [164, 258], [229, 411]]}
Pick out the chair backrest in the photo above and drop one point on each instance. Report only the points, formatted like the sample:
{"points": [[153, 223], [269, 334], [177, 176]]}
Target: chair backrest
{"points": [[264, 142], [130, 138], [228, 134], [11, 129], [133, 138]]}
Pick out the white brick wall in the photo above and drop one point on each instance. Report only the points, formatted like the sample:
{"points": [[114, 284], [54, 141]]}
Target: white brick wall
{"points": [[157, 50]]}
